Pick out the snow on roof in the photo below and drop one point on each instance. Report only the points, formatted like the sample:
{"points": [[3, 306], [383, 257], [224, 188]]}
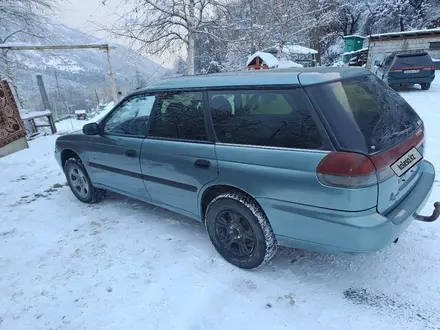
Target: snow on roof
{"points": [[267, 58], [406, 33], [291, 49], [355, 51], [80, 112], [284, 64], [355, 35]]}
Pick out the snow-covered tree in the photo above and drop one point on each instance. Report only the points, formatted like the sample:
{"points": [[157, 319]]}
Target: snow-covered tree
{"points": [[165, 26]]}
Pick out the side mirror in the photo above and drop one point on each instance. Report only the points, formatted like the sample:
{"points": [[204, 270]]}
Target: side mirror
{"points": [[91, 129]]}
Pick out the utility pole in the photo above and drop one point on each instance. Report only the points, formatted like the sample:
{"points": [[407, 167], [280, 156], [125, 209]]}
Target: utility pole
{"points": [[58, 92], [112, 77], [44, 97], [43, 93], [97, 97]]}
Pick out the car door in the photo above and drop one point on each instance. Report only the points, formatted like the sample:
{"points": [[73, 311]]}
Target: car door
{"points": [[177, 158], [113, 157]]}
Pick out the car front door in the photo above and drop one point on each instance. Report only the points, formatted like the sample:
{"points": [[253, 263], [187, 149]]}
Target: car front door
{"points": [[177, 158], [113, 160]]}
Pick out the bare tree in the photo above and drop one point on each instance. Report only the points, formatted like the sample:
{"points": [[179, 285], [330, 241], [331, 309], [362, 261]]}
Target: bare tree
{"points": [[19, 17], [160, 26]]}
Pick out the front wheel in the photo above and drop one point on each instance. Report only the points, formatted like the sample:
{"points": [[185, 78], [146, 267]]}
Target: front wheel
{"points": [[425, 86], [80, 183], [240, 231]]}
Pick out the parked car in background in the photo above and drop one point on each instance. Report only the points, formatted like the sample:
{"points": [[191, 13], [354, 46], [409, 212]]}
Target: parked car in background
{"points": [[325, 159], [81, 114], [407, 69]]}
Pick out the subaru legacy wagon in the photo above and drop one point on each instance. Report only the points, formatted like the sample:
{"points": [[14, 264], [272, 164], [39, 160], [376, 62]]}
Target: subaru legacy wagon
{"points": [[324, 159]]}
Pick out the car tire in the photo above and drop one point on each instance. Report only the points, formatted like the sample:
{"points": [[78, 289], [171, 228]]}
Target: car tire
{"points": [[425, 86], [79, 182], [240, 231]]}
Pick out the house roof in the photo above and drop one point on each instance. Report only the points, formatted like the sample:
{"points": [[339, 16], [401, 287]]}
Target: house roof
{"points": [[267, 58], [255, 78], [355, 52], [355, 36], [291, 49], [406, 34]]}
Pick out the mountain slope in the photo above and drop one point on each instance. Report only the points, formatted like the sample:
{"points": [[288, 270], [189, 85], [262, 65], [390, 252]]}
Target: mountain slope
{"points": [[72, 76]]}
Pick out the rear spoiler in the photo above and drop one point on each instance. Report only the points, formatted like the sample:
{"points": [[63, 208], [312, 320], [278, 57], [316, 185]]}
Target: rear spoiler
{"points": [[412, 54]]}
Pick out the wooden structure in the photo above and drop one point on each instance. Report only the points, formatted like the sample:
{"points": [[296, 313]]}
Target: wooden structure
{"points": [[31, 116], [305, 56], [261, 61], [382, 45], [105, 47]]}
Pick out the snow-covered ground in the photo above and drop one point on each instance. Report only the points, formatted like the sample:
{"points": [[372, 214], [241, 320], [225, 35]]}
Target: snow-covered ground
{"points": [[123, 264], [72, 124]]}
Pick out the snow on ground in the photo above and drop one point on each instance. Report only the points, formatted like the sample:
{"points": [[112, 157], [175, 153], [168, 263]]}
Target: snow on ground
{"points": [[72, 124], [123, 264]]}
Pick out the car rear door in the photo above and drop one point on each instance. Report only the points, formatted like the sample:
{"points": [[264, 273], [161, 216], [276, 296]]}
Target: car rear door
{"points": [[113, 156], [177, 158], [411, 66], [370, 118]]}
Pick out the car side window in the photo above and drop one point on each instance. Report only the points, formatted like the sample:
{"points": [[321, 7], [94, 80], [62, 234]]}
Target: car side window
{"points": [[179, 115], [278, 118], [131, 117]]}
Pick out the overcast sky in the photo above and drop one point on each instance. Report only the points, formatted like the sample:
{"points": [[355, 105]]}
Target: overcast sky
{"points": [[84, 14]]}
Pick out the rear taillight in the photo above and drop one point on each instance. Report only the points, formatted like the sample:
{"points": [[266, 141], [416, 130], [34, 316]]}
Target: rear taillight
{"points": [[384, 160], [346, 169], [352, 170], [395, 70]]}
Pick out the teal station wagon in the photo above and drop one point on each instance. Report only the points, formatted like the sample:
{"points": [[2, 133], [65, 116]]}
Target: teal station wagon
{"points": [[325, 159]]}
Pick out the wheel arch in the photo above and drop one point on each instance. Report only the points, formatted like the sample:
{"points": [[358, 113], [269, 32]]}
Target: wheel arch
{"points": [[209, 193], [68, 153]]}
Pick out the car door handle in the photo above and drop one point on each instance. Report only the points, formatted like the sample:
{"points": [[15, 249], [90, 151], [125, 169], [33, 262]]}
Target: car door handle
{"points": [[202, 163], [130, 153]]}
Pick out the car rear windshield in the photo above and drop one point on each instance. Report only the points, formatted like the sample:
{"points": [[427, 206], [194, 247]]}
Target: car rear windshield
{"points": [[382, 117], [402, 62]]}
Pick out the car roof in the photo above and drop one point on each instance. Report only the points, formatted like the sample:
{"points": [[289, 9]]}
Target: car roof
{"points": [[255, 78]]}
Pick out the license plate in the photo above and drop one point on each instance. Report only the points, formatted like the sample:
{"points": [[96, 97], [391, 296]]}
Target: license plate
{"points": [[411, 71], [408, 160]]}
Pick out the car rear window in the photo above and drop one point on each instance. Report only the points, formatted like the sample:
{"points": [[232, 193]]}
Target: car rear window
{"points": [[402, 62], [275, 118], [382, 117]]}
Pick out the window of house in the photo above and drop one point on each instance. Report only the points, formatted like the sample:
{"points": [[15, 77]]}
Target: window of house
{"points": [[265, 118], [179, 116], [131, 117], [434, 45]]}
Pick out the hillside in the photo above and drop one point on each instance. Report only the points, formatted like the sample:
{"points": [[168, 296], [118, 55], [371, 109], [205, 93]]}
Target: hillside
{"points": [[71, 77]]}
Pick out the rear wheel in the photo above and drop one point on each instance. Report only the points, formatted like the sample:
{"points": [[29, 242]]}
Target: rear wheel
{"points": [[240, 231], [80, 183], [425, 86]]}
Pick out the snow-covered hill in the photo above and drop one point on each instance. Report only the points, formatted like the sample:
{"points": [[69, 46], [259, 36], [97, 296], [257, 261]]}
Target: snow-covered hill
{"points": [[78, 72]]}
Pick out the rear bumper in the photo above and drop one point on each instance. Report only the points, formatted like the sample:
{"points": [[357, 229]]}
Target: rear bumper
{"points": [[331, 231], [415, 80]]}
